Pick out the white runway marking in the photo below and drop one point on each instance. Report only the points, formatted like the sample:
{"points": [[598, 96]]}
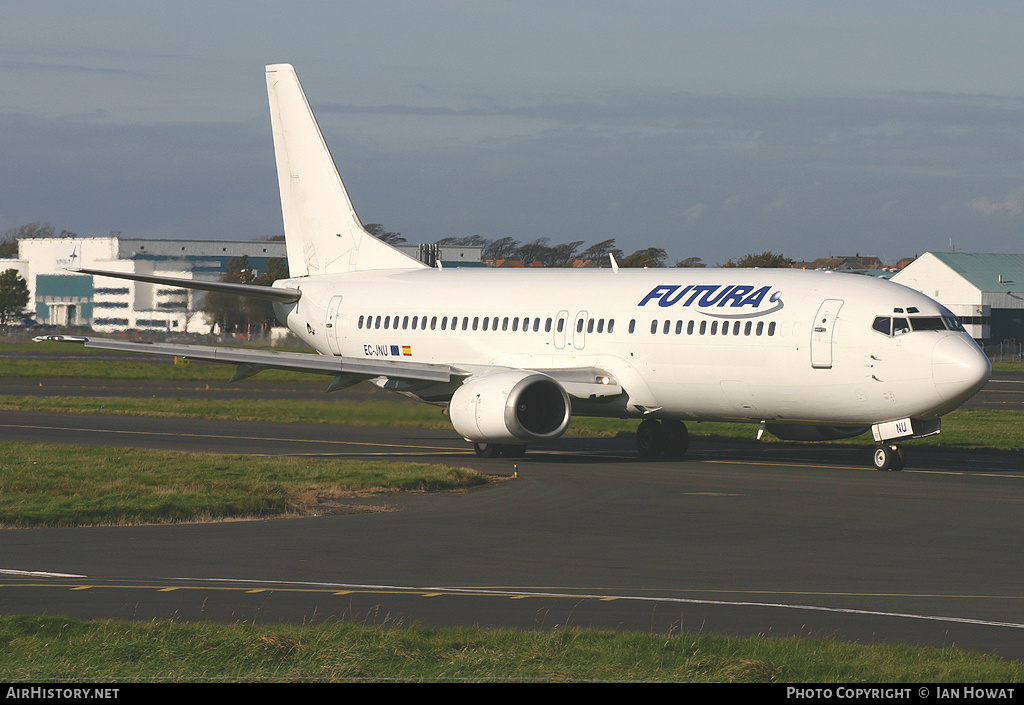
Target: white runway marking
{"points": [[519, 594]]}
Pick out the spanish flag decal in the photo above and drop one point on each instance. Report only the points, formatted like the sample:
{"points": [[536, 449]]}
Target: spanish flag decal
{"points": [[407, 350]]}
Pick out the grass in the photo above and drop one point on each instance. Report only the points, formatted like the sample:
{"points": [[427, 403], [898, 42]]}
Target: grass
{"points": [[57, 649], [47, 485], [967, 429], [55, 485]]}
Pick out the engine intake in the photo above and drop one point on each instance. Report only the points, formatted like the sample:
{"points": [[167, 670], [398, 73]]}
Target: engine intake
{"points": [[510, 407]]}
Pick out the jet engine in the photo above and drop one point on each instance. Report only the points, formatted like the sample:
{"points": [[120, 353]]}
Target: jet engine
{"points": [[807, 432], [512, 407]]}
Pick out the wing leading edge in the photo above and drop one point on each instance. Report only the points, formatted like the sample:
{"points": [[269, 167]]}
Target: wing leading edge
{"points": [[580, 383]]}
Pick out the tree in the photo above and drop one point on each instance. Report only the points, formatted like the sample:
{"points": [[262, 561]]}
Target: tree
{"points": [[230, 311], [599, 253], [378, 231], [764, 260], [13, 296], [261, 312], [690, 263], [9, 238], [649, 257], [502, 248]]}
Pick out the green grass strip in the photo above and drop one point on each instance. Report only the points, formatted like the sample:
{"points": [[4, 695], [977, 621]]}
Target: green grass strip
{"points": [[58, 649], [966, 429], [56, 485]]}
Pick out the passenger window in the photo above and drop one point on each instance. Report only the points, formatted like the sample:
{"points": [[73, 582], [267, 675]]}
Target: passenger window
{"points": [[771, 328], [632, 325], [611, 324]]}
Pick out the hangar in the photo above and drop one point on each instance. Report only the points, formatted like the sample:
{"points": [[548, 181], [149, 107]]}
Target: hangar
{"points": [[985, 290]]}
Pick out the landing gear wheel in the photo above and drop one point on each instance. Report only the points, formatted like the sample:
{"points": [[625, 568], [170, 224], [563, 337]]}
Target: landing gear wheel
{"points": [[487, 450], [650, 438], [493, 450], [676, 438], [890, 457]]}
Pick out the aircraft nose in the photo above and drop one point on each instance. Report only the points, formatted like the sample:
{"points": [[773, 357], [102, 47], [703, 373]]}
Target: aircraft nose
{"points": [[959, 368]]}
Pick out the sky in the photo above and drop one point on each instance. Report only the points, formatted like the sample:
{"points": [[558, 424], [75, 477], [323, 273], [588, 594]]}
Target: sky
{"points": [[709, 129]]}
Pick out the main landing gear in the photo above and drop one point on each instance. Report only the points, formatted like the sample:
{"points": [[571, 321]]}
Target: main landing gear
{"points": [[493, 450], [890, 456], [655, 438]]}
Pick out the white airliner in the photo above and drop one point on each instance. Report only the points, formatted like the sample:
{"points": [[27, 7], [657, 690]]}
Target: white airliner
{"points": [[513, 354]]}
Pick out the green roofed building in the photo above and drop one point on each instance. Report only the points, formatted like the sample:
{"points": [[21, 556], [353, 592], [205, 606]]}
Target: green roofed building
{"points": [[985, 290]]}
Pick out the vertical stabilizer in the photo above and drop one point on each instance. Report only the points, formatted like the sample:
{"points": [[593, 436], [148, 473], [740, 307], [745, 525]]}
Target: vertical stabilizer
{"points": [[322, 231]]}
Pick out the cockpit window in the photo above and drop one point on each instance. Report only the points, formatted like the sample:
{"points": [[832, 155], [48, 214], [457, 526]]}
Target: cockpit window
{"points": [[899, 326], [927, 323]]}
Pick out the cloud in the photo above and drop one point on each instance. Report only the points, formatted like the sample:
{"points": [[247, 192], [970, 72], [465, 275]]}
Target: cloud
{"points": [[1012, 204]]}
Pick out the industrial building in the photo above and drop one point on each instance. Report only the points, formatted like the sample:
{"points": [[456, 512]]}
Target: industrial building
{"points": [[985, 290], [63, 298]]}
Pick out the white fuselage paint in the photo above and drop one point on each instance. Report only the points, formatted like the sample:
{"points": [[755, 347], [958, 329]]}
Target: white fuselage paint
{"points": [[822, 363]]}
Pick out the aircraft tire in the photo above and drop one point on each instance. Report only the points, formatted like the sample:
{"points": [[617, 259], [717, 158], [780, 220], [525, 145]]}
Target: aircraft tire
{"points": [[487, 450], [676, 438], [650, 438], [889, 458]]}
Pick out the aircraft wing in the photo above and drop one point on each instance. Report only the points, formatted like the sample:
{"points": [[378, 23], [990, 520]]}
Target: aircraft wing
{"points": [[582, 383], [250, 362]]}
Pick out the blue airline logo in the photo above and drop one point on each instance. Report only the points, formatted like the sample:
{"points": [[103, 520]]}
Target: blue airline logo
{"points": [[707, 296]]}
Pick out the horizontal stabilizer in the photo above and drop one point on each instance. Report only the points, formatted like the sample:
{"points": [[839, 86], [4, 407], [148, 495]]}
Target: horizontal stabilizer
{"points": [[270, 293]]}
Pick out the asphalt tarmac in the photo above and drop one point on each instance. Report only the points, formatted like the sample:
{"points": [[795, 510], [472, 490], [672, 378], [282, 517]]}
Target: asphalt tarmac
{"points": [[737, 539]]}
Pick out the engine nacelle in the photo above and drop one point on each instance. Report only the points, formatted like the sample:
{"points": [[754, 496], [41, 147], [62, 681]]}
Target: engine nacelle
{"points": [[513, 407], [808, 432]]}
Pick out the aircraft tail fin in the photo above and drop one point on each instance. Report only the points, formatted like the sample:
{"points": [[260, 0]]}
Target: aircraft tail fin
{"points": [[323, 234]]}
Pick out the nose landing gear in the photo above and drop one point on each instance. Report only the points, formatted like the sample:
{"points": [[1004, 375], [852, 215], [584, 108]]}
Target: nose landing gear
{"points": [[889, 456]]}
